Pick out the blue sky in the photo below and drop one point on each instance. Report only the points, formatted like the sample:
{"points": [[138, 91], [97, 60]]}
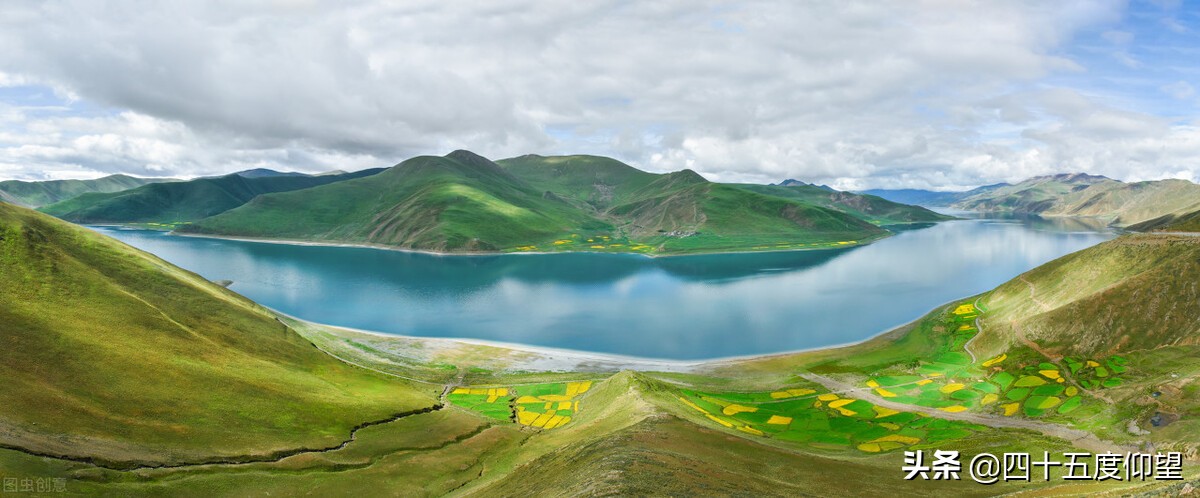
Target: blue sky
{"points": [[929, 94]]}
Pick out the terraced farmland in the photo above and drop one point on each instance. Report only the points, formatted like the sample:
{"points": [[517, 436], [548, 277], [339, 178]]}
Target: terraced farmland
{"points": [[549, 405], [491, 402], [817, 418], [952, 382], [545, 406]]}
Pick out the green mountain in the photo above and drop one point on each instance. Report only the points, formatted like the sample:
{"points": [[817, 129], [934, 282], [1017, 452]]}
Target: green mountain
{"points": [[605, 184], [1189, 222], [465, 203], [110, 355], [127, 376], [37, 194], [1136, 292], [460, 202], [868, 207], [1116, 202], [181, 202]]}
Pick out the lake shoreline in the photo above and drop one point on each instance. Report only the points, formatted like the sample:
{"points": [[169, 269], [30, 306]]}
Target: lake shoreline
{"points": [[703, 301], [293, 242], [616, 362]]}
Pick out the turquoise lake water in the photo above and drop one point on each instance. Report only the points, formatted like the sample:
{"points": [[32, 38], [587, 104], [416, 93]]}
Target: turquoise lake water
{"points": [[681, 308]]}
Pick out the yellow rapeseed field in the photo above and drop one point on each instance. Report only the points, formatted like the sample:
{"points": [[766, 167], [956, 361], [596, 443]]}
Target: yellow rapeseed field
{"points": [[995, 360], [779, 420], [964, 309], [949, 388]]}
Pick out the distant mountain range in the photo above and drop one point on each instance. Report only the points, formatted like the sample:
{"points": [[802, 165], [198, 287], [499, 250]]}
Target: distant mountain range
{"points": [[463, 202], [37, 194], [1118, 203], [185, 201]]}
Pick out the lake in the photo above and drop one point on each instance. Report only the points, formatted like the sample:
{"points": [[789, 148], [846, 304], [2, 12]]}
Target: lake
{"points": [[679, 308]]}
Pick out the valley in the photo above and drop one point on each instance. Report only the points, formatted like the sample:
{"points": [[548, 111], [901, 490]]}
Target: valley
{"points": [[494, 422]]}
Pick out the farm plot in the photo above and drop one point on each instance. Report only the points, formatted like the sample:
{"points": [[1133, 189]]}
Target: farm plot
{"points": [[821, 419], [549, 406], [951, 382]]}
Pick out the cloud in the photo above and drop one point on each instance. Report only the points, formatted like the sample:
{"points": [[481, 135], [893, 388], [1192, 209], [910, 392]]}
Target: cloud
{"points": [[1180, 90], [853, 94]]}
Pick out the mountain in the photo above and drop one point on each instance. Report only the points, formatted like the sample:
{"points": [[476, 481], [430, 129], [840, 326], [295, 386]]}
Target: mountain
{"points": [[1136, 292], [918, 197], [868, 207], [792, 182], [37, 194], [463, 202], [1119, 203], [656, 209], [180, 202], [266, 173], [112, 356], [460, 202], [1189, 222]]}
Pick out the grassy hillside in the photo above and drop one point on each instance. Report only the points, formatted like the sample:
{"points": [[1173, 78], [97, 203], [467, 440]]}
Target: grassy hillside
{"points": [[1119, 203], [465, 203], [182, 202], [1136, 292], [108, 353], [1188, 222], [460, 202], [868, 207], [602, 183], [111, 353], [37, 194]]}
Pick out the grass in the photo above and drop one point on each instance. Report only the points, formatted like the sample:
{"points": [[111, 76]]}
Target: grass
{"points": [[37, 194], [465, 203], [1115, 202], [142, 362], [127, 358], [176, 203]]}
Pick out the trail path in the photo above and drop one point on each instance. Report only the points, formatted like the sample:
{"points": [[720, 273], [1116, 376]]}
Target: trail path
{"points": [[1079, 438], [978, 332], [1020, 333]]}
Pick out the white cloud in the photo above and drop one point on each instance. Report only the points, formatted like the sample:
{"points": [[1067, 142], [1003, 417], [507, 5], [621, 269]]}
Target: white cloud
{"points": [[854, 94], [1180, 90]]}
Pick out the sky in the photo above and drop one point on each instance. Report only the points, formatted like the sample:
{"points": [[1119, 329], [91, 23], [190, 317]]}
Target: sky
{"points": [[934, 94]]}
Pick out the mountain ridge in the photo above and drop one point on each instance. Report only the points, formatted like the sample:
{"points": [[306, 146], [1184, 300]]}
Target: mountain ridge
{"points": [[464, 202], [185, 201], [41, 193]]}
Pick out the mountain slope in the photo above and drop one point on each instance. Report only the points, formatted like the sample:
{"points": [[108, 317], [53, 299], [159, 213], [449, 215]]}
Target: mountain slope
{"points": [[266, 173], [918, 197], [112, 354], [465, 203], [602, 183], [1135, 292], [1189, 222], [681, 211], [184, 201], [868, 207], [460, 202], [1121, 204], [37, 194]]}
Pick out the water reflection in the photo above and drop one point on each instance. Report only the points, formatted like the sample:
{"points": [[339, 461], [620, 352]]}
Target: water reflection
{"points": [[681, 307]]}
